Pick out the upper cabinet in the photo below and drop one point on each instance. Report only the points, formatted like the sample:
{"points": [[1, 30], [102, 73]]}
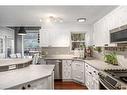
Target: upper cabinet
{"points": [[51, 38], [114, 19], [44, 38], [101, 34], [6, 42], [77, 40]]}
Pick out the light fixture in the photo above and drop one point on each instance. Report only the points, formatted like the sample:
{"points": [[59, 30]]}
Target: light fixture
{"points": [[22, 31], [40, 20], [52, 19], [81, 19], [59, 19]]}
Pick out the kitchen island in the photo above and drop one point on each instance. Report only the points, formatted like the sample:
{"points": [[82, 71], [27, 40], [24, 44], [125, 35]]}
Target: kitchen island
{"points": [[31, 77]]}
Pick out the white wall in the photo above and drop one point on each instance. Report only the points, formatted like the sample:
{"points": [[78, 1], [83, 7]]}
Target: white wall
{"points": [[71, 27], [114, 19]]}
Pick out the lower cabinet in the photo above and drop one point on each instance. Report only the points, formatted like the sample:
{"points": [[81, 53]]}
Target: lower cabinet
{"points": [[88, 80], [95, 83], [78, 71], [73, 70], [91, 77], [43, 83], [66, 69]]}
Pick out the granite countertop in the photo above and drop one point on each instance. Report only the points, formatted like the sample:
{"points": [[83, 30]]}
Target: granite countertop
{"points": [[6, 62], [13, 78], [96, 63], [101, 65]]}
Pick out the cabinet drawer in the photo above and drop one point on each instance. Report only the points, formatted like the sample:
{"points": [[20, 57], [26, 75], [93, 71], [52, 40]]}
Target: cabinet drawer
{"points": [[87, 67], [95, 73]]}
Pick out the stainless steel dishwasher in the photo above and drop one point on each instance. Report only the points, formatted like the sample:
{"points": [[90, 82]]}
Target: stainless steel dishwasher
{"points": [[58, 67]]}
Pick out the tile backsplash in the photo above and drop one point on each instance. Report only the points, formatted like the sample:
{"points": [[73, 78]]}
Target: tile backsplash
{"points": [[57, 50], [100, 55]]}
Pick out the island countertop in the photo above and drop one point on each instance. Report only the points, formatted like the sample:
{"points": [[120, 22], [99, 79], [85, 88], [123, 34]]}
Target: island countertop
{"points": [[6, 62], [13, 78]]}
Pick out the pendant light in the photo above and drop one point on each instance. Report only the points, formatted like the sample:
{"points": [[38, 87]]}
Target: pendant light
{"points": [[22, 31]]}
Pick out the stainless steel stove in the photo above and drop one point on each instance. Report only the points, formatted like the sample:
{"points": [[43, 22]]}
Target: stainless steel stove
{"points": [[113, 79]]}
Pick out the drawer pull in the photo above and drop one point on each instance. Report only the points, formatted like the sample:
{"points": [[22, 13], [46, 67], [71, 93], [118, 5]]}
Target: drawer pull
{"points": [[23, 88], [28, 85], [94, 71], [90, 72]]}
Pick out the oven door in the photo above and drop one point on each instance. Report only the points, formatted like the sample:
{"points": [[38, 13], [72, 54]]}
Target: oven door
{"points": [[107, 82], [103, 85]]}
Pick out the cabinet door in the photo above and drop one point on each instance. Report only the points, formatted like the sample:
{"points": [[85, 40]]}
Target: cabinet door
{"points": [[78, 71], [59, 39], [79, 76], [44, 38], [44, 83], [38, 84], [66, 66], [2, 47], [88, 81], [95, 84], [53, 38], [91, 77]]}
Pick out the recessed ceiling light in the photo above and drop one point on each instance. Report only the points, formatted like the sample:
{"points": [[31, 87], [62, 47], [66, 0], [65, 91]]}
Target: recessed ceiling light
{"points": [[81, 19]]}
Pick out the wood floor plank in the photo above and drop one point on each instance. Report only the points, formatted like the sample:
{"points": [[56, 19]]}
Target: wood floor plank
{"points": [[68, 85]]}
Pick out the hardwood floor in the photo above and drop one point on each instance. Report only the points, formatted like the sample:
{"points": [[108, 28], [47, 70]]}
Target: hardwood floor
{"points": [[60, 85]]}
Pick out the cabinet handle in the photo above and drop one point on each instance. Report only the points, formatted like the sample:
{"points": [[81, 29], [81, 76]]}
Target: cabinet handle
{"points": [[28, 85], [23, 88], [90, 72], [94, 71]]}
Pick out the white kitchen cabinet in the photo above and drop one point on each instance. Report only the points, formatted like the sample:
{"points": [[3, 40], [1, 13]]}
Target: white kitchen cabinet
{"points": [[114, 19], [66, 70], [95, 84], [91, 77], [7, 36], [44, 38], [78, 71], [52, 38], [88, 79], [38, 84], [42, 83]]}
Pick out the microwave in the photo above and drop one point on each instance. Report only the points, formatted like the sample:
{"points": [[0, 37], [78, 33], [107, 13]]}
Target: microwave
{"points": [[119, 35]]}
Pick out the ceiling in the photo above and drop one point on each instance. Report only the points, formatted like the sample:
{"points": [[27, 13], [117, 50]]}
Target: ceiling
{"points": [[31, 15]]}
